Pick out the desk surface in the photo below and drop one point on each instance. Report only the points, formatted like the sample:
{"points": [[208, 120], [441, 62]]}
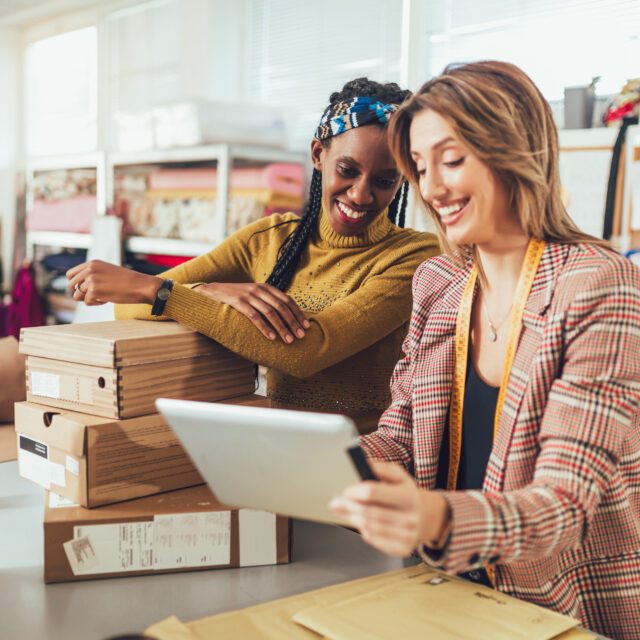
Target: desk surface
{"points": [[94, 610]]}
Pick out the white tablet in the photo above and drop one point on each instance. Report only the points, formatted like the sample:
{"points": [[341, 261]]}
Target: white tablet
{"points": [[288, 462]]}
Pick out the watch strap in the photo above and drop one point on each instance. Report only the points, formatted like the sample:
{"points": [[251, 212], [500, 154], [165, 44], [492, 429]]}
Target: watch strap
{"points": [[162, 295]]}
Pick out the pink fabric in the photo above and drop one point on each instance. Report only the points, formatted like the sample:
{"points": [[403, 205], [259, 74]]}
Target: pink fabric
{"points": [[67, 214], [281, 177], [26, 308]]}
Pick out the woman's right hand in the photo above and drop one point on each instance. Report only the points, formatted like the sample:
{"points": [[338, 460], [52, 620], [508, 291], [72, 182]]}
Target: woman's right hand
{"points": [[272, 311]]}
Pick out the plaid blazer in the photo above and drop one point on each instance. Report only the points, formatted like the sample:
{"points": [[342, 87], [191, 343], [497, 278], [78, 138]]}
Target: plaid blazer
{"points": [[559, 513]]}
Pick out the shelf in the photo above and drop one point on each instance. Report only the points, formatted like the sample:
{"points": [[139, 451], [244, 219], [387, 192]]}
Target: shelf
{"points": [[92, 160], [65, 239], [266, 154], [223, 155], [203, 153], [162, 156], [167, 246], [135, 244]]}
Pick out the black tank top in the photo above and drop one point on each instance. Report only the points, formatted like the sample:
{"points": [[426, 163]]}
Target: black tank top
{"points": [[480, 400]]}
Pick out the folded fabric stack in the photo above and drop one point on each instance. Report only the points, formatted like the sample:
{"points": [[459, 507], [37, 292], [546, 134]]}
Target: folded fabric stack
{"points": [[181, 203], [64, 200]]}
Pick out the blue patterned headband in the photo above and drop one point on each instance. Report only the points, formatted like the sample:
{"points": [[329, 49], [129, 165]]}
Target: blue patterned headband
{"points": [[342, 116]]}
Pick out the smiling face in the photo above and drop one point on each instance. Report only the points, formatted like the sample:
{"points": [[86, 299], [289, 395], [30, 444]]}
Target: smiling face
{"points": [[359, 177], [471, 203]]}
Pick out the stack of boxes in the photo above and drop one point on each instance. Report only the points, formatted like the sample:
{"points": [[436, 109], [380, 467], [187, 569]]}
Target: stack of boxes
{"points": [[89, 433]]}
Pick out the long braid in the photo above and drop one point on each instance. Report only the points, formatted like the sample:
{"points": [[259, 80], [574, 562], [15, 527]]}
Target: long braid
{"points": [[402, 213], [291, 249], [398, 206]]}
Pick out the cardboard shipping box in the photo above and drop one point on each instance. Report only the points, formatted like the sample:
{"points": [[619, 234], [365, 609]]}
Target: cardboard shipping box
{"points": [[183, 530], [95, 461], [117, 369]]}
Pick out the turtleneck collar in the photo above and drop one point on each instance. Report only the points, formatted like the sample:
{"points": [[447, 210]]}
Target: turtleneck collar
{"points": [[375, 232]]}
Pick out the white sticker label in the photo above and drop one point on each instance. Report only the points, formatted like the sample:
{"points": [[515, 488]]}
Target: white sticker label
{"points": [[73, 465], [45, 384], [114, 548], [57, 474], [57, 501], [169, 542], [258, 544], [81, 555], [33, 461], [192, 540]]}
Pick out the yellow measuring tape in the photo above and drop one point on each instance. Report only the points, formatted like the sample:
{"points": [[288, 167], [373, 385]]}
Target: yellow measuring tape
{"points": [[463, 324]]}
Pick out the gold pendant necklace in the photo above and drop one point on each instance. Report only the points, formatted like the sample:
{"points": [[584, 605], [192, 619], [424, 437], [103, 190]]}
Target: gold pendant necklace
{"points": [[493, 329]]}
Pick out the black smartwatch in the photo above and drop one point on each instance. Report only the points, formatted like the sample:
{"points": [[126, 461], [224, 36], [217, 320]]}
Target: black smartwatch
{"points": [[162, 295]]}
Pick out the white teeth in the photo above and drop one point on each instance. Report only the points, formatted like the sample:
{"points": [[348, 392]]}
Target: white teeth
{"points": [[452, 208], [350, 213]]}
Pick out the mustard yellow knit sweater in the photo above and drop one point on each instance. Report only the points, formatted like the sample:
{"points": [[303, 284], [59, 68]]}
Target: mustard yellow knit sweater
{"points": [[356, 292]]}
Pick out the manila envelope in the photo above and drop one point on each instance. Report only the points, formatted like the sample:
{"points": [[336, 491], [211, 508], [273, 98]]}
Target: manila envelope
{"points": [[425, 602], [276, 619]]}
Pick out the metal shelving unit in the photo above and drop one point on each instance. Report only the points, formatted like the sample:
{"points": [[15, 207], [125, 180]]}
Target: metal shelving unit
{"points": [[105, 164], [591, 150], [59, 239], [223, 155]]}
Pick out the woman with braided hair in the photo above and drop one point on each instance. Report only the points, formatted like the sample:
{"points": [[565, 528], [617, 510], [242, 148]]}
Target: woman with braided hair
{"points": [[323, 300]]}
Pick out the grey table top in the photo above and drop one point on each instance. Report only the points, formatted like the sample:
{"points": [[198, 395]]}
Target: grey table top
{"points": [[93, 610]]}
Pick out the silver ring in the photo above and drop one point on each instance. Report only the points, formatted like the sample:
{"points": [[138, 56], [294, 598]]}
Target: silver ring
{"points": [[76, 287]]}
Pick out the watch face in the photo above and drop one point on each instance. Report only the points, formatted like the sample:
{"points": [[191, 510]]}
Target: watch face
{"points": [[163, 294]]}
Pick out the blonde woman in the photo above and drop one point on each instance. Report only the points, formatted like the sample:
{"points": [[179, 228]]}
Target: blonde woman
{"points": [[516, 406]]}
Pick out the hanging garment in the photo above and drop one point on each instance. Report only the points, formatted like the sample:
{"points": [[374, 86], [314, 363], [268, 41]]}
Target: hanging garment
{"points": [[26, 308]]}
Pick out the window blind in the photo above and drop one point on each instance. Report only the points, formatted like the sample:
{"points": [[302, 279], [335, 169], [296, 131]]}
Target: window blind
{"points": [[298, 53], [559, 43]]}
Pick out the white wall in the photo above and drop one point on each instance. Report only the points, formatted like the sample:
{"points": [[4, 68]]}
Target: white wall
{"points": [[10, 152], [224, 77]]}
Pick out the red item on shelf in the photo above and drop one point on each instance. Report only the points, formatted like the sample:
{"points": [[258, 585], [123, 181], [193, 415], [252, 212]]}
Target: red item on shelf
{"points": [[166, 261], [621, 111]]}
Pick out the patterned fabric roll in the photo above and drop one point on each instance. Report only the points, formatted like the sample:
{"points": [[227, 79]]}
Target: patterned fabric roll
{"points": [[342, 116]]}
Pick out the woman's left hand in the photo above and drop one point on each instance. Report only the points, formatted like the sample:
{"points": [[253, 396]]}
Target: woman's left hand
{"points": [[392, 513], [96, 282]]}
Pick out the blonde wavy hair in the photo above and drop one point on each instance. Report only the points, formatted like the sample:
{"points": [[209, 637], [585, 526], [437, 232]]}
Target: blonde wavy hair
{"points": [[497, 111]]}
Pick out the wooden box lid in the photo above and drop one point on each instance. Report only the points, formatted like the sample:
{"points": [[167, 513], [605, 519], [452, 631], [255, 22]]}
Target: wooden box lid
{"points": [[117, 343]]}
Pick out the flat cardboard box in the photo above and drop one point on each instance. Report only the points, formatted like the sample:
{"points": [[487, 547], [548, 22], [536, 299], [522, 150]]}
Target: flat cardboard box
{"points": [[95, 461], [185, 530], [8, 449], [12, 377], [118, 369]]}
